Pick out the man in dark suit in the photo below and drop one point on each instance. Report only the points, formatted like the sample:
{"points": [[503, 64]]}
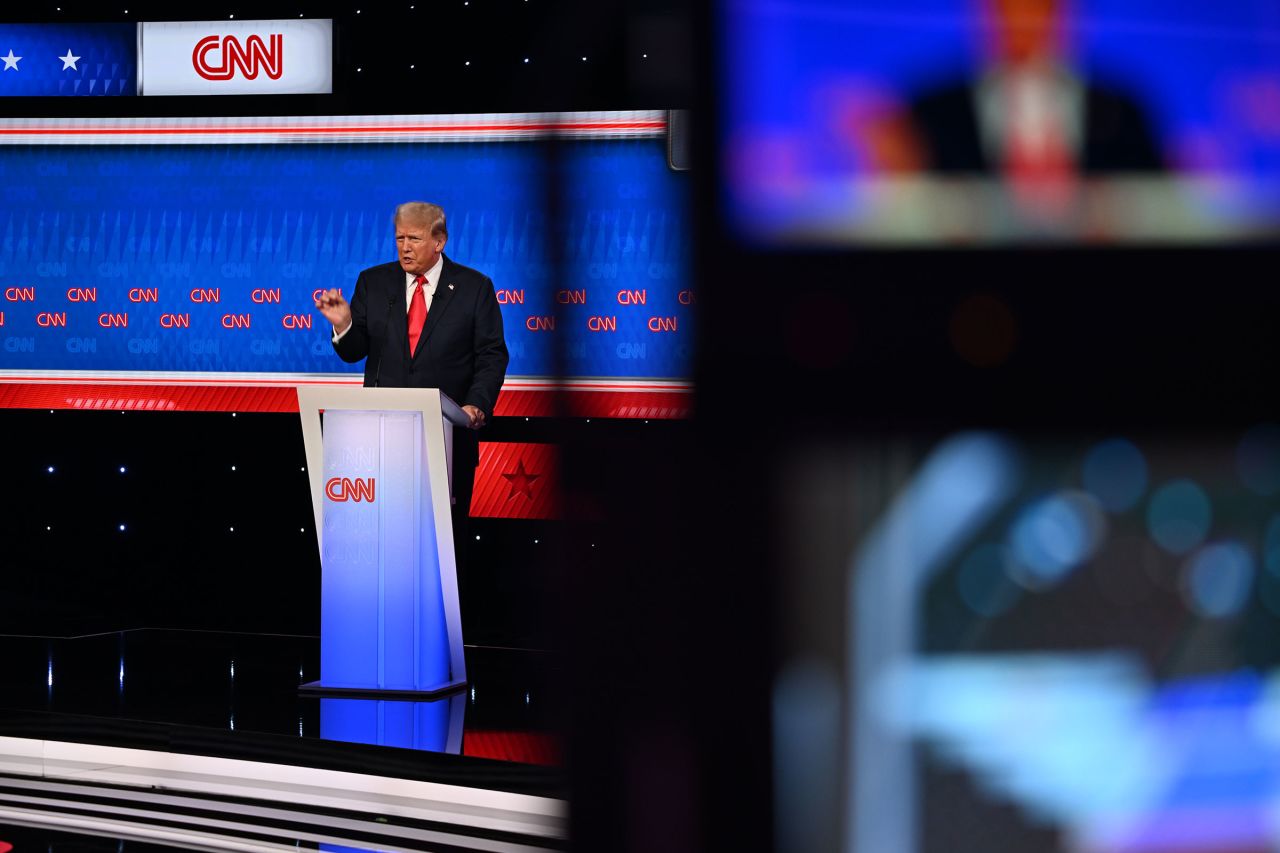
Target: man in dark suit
{"points": [[1029, 114], [1109, 134], [426, 322]]}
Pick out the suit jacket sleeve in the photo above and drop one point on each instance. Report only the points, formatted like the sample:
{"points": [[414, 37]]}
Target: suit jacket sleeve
{"points": [[490, 347], [354, 345]]}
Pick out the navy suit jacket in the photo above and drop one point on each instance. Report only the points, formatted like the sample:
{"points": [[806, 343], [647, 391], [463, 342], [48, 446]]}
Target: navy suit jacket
{"points": [[1117, 136], [461, 350]]}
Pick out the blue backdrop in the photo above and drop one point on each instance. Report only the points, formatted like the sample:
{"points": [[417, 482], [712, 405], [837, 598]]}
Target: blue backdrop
{"points": [[111, 257]]}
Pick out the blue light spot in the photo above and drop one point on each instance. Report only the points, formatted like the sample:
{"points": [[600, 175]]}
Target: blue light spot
{"points": [[1115, 473], [1219, 578], [983, 581], [1178, 516], [1052, 536], [1258, 459]]}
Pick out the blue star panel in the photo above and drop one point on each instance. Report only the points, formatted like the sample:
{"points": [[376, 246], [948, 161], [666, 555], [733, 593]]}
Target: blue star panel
{"points": [[68, 59], [206, 258]]}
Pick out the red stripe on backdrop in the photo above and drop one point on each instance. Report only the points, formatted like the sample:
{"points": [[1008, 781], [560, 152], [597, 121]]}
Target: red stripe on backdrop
{"points": [[149, 398], [520, 402], [516, 480], [575, 403], [522, 747]]}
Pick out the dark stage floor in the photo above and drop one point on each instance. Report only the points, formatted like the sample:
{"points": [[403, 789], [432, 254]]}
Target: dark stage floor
{"points": [[235, 695]]}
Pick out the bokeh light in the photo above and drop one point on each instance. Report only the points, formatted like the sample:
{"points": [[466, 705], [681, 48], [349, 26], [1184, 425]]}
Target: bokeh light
{"points": [[1115, 472], [1178, 516], [1052, 536], [1258, 459], [1218, 579], [983, 581]]}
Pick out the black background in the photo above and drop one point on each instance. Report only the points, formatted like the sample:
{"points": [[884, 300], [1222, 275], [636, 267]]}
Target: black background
{"points": [[668, 625]]}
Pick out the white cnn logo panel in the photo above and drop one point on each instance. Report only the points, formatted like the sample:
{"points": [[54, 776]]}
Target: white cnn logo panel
{"points": [[236, 57]]}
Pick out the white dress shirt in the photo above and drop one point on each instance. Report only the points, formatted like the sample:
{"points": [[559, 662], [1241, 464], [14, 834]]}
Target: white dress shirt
{"points": [[410, 282], [1040, 108]]}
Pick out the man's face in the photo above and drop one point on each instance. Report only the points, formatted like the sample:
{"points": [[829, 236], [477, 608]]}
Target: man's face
{"points": [[417, 248]]}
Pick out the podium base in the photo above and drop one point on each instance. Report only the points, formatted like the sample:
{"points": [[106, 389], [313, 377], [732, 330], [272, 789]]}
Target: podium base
{"points": [[347, 691]]}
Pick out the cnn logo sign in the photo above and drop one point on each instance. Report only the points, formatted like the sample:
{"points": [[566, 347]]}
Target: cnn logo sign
{"points": [[343, 489], [250, 57]]}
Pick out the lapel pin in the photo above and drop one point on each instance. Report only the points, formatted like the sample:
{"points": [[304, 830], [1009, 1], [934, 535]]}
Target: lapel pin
{"points": [[451, 287]]}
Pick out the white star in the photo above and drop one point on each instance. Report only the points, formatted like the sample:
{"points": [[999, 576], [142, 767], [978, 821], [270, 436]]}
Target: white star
{"points": [[69, 61], [11, 61]]}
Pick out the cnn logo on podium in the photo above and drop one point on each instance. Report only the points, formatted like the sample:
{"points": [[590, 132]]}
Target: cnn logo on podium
{"points": [[343, 489]]}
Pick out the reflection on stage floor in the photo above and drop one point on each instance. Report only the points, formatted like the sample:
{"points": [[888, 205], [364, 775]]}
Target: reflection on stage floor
{"points": [[230, 694]]}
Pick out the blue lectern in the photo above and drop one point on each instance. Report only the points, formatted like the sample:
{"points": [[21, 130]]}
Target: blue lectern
{"points": [[431, 726], [379, 469]]}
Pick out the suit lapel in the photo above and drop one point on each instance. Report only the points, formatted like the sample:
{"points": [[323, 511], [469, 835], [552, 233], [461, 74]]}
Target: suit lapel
{"points": [[439, 302], [397, 328]]}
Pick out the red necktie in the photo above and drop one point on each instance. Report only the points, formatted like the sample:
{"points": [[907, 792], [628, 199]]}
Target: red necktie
{"points": [[417, 314], [1039, 166]]}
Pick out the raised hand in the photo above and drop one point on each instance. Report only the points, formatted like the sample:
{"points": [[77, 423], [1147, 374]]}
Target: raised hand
{"points": [[335, 309]]}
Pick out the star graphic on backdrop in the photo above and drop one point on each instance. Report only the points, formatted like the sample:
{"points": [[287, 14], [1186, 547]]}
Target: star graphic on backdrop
{"points": [[69, 61], [11, 61], [521, 482]]}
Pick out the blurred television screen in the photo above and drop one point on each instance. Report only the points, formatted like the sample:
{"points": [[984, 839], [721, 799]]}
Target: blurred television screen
{"points": [[995, 121], [1030, 643]]}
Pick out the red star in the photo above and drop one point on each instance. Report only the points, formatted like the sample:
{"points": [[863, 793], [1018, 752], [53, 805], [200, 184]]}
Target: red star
{"points": [[521, 482]]}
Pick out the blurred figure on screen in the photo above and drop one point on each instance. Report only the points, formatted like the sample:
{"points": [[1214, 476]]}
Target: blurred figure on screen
{"points": [[1028, 115], [1029, 110]]}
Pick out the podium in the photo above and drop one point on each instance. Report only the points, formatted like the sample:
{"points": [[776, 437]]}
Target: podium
{"points": [[432, 726], [380, 474]]}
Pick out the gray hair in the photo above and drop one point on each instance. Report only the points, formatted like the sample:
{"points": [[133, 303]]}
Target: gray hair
{"points": [[422, 213]]}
